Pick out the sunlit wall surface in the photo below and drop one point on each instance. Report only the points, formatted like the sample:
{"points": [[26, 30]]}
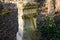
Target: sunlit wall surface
{"points": [[57, 5]]}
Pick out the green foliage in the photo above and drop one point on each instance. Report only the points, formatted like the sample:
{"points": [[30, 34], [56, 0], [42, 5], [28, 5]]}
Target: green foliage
{"points": [[49, 30], [31, 6], [4, 11]]}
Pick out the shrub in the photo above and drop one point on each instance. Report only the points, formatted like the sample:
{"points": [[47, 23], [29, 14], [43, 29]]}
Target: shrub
{"points": [[49, 30]]}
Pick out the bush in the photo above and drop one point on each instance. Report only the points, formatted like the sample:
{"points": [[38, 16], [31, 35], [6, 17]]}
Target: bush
{"points": [[49, 29]]}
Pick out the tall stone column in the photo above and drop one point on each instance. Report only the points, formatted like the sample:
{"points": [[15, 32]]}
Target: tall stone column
{"points": [[20, 22]]}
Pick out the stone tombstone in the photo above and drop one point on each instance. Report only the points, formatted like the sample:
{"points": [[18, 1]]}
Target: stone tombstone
{"points": [[29, 17]]}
